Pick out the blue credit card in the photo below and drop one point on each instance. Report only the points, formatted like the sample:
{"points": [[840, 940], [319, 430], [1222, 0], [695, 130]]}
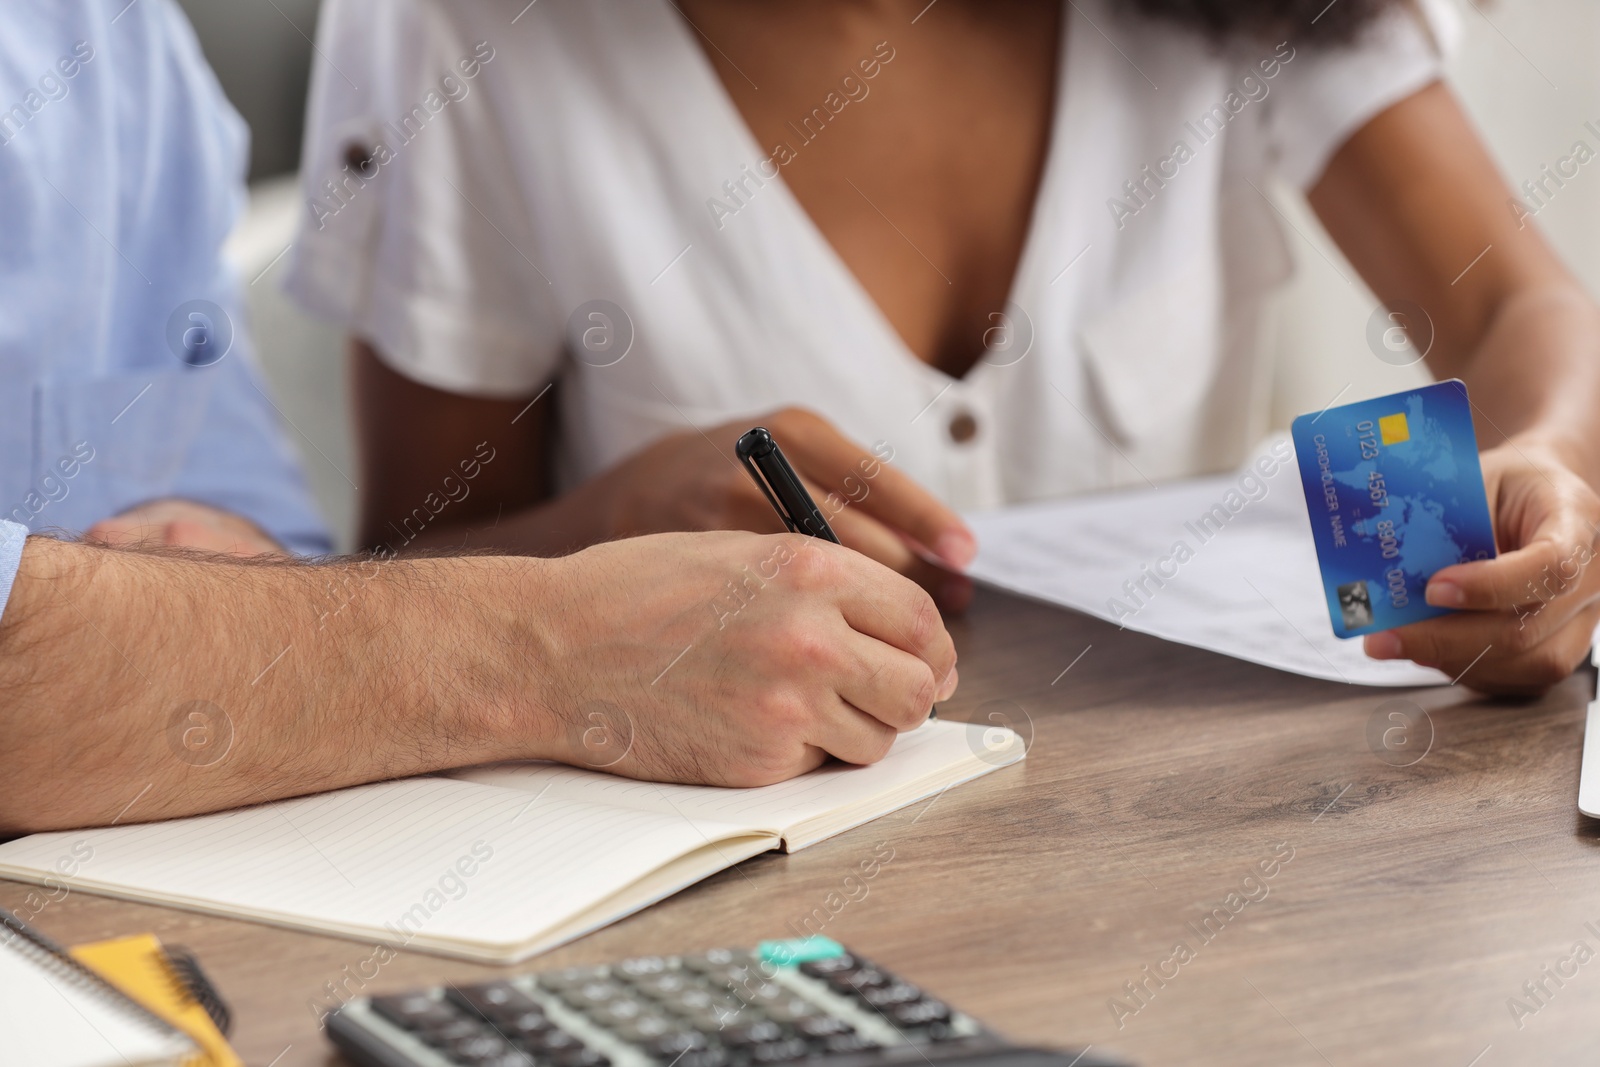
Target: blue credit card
{"points": [[1396, 495]]}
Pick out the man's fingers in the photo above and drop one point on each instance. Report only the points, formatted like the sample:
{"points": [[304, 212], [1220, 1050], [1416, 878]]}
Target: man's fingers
{"points": [[892, 686], [850, 734], [850, 476], [742, 776], [886, 606]]}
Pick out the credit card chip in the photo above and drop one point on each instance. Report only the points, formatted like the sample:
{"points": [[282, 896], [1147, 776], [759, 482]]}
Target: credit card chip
{"points": [[1394, 429]]}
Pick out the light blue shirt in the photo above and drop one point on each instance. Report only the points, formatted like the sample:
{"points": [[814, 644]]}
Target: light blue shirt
{"points": [[12, 537], [121, 169]]}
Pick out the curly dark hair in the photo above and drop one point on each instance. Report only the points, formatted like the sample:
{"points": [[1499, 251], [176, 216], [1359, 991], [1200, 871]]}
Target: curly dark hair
{"points": [[1310, 20]]}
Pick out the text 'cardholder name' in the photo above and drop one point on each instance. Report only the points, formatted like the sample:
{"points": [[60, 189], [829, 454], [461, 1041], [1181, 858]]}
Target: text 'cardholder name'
{"points": [[1395, 493]]}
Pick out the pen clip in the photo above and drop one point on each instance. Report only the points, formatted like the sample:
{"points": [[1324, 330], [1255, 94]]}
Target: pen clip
{"points": [[759, 438], [783, 488]]}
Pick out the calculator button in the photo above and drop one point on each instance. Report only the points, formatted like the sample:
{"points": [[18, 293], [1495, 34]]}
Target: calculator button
{"points": [[478, 1048], [413, 1011], [761, 992], [753, 1034], [646, 1028], [620, 1011], [591, 995], [550, 1041], [662, 986], [578, 1057], [506, 1059], [688, 1000], [447, 1035], [919, 1013], [841, 1044], [888, 996], [819, 1026], [493, 1000], [403, 1007], [791, 1010], [719, 958], [640, 967], [704, 1057], [571, 977], [727, 977], [708, 1021], [855, 981], [528, 1022], [790, 1048], [670, 1045], [833, 965]]}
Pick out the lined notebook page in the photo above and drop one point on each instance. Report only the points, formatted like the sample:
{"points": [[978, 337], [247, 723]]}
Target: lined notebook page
{"points": [[443, 859], [938, 745]]}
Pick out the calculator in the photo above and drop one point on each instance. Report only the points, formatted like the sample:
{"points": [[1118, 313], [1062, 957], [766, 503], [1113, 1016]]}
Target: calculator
{"points": [[795, 1003]]}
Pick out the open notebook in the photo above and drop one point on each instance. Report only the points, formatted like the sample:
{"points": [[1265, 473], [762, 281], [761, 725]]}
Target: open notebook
{"points": [[494, 863]]}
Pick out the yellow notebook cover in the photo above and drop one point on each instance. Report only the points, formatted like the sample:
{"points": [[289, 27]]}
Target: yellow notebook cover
{"points": [[137, 966]]}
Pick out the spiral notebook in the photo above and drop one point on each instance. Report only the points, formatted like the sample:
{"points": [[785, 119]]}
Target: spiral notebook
{"points": [[168, 981], [496, 863], [56, 1012]]}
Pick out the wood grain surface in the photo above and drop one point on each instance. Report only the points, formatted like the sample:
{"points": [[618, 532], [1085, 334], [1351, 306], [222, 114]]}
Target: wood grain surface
{"points": [[1418, 900]]}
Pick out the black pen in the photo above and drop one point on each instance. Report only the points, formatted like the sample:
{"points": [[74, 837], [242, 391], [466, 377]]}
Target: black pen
{"points": [[785, 491], [770, 468]]}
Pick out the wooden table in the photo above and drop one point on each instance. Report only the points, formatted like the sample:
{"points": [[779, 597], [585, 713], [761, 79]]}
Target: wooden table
{"points": [[1418, 900]]}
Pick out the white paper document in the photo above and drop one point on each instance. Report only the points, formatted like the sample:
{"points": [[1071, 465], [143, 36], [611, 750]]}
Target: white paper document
{"points": [[1224, 563]]}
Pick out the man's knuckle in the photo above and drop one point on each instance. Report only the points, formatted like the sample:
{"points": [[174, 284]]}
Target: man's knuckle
{"points": [[813, 570], [811, 652], [761, 766], [923, 626], [919, 699], [782, 717], [880, 746], [773, 763]]}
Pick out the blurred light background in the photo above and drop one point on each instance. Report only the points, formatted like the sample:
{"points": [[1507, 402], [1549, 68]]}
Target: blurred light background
{"points": [[1525, 68]]}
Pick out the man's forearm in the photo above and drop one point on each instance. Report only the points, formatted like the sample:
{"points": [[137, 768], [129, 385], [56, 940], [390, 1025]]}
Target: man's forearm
{"points": [[141, 686]]}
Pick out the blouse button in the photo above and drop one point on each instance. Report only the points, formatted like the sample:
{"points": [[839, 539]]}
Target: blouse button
{"points": [[963, 427], [358, 157]]}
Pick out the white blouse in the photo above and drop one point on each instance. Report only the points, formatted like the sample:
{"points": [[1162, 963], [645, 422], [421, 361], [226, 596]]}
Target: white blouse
{"points": [[499, 196]]}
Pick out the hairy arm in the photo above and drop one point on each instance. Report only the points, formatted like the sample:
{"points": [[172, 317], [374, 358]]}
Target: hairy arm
{"points": [[142, 685], [166, 685]]}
